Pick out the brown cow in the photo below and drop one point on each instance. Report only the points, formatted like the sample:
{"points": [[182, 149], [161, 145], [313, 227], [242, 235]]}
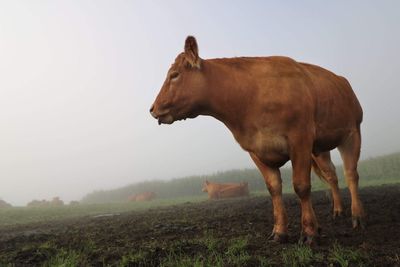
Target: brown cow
{"points": [[207, 186], [235, 191], [145, 196], [225, 190], [277, 109]]}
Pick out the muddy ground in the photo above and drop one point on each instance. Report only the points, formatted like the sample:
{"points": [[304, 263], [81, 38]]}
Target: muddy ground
{"points": [[194, 230]]}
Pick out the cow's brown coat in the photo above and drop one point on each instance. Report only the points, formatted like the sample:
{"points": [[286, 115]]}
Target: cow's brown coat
{"points": [[225, 190], [145, 196]]}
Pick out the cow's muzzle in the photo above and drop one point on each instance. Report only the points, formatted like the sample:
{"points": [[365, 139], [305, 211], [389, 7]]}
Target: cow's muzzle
{"points": [[163, 117]]}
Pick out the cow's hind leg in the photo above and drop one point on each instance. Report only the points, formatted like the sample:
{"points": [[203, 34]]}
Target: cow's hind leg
{"points": [[324, 168], [301, 163], [273, 181], [350, 152]]}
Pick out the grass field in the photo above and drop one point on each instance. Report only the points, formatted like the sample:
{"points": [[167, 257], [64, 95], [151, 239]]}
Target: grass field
{"points": [[23, 215], [193, 232]]}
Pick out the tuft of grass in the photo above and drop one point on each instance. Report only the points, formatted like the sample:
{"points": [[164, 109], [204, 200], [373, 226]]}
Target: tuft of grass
{"points": [[211, 243], [263, 262], [180, 260], [65, 258], [139, 258], [345, 257], [300, 256], [236, 254], [237, 246]]}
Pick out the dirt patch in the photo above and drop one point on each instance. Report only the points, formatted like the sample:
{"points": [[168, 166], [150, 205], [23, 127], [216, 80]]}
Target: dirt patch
{"points": [[194, 230]]}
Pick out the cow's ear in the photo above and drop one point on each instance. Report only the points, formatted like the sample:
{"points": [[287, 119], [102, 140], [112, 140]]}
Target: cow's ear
{"points": [[192, 52], [207, 182]]}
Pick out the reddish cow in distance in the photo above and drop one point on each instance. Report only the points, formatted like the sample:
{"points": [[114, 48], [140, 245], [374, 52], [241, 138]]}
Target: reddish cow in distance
{"points": [[225, 190], [278, 110], [145, 196]]}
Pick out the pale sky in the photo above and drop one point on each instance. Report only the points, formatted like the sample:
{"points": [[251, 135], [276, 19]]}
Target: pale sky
{"points": [[77, 79]]}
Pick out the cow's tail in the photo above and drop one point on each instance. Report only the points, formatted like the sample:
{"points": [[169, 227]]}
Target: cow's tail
{"points": [[317, 170]]}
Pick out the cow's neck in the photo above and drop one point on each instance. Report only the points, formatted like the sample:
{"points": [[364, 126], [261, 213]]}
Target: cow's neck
{"points": [[229, 100]]}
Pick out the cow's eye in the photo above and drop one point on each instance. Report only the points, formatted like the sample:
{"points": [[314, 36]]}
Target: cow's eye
{"points": [[173, 75]]}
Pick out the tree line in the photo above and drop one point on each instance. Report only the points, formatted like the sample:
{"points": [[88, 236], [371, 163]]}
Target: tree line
{"points": [[374, 171]]}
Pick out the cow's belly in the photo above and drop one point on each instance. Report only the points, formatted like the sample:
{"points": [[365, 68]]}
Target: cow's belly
{"points": [[271, 149], [273, 159], [329, 139]]}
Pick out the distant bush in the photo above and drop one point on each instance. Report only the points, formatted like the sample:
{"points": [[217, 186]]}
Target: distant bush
{"points": [[374, 171]]}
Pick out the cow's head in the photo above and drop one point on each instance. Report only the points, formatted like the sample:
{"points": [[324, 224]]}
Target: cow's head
{"points": [[182, 94]]}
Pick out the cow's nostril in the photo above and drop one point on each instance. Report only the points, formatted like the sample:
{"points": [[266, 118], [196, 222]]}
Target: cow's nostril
{"points": [[152, 108]]}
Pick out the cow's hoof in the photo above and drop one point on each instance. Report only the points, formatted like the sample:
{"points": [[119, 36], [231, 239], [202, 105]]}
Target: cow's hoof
{"points": [[278, 238], [358, 222], [337, 214], [308, 240]]}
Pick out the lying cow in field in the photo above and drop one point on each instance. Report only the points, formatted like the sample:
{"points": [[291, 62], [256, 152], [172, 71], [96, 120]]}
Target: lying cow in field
{"points": [[278, 110], [225, 190], [145, 196]]}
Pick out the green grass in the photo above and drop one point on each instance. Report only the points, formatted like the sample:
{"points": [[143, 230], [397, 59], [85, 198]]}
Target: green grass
{"points": [[338, 255], [234, 254], [139, 258], [24, 215], [64, 258], [205, 251], [345, 257], [300, 256]]}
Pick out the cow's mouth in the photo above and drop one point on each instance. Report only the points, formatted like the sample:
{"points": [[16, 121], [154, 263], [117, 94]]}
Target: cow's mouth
{"points": [[165, 119]]}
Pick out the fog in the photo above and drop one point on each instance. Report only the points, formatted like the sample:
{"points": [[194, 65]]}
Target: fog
{"points": [[77, 79]]}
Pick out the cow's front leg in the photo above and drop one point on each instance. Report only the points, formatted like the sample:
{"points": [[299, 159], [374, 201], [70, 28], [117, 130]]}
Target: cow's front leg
{"points": [[272, 177], [301, 164]]}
